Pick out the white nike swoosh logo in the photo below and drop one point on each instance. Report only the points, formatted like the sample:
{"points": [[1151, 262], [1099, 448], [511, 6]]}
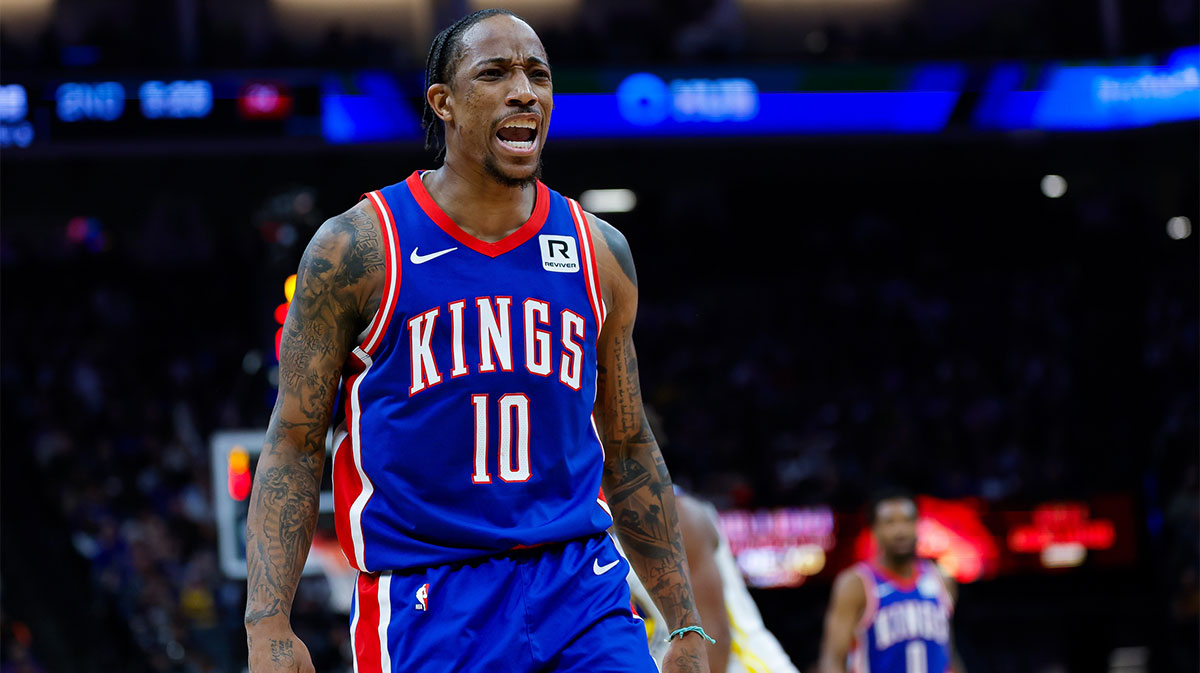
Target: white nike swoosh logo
{"points": [[601, 569], [421, 259]]}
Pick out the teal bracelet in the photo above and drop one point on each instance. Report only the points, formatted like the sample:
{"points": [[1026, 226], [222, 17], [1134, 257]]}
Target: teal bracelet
{"points": [[679, 632]]}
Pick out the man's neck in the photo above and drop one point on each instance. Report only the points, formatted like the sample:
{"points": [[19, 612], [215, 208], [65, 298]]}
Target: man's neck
{"points": [[903, 567], [477, 203]]}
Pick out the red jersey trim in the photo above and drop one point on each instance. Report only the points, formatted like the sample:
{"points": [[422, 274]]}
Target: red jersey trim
{"points": [[372, 615], [901, 583], [872, 605], [541, 209], [591, 267], [392, 273]]}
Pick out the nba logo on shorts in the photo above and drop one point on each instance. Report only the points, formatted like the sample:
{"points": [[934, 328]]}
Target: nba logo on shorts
{"points": [[422, 598]]}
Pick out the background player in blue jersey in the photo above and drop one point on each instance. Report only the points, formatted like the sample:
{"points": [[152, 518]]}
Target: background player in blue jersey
{"points": [[891, 615], [474, 321]]}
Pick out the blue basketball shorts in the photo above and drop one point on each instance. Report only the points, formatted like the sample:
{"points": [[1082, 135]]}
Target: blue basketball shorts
{"points": [[563, 608]]}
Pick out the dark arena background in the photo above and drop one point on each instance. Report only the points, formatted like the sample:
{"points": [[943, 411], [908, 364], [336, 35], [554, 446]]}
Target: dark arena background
{"points": [[944, 244]]}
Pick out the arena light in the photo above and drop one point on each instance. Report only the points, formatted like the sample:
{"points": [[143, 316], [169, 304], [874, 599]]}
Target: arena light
{"points": [[1054, 186], [94, 101], [1064, 555], [239, 473], [1092, 97], [265, 100], [180, 99], [15, 130], [1179, 228], [13, 103], [1057, 528], [24, 20], [289, 291], [781, 547], [608, 200]]}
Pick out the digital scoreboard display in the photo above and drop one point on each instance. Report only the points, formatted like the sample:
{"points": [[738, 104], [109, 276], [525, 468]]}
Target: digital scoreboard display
{"points": [[382, 106], [56, 112]]}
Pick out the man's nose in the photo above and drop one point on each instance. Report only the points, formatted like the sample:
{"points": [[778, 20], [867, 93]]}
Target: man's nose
{"points": [[522, 94]]}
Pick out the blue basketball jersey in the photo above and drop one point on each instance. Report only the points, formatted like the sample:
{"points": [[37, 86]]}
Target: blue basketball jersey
{"points": [[468, 405], [905, 627]]}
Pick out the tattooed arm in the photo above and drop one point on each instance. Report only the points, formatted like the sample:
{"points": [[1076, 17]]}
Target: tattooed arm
{"points": [[338, 288], [636, 482]]}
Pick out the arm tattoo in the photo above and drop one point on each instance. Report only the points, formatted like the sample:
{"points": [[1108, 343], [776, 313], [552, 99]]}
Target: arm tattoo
{"points": [[335, 297], [688, 662], [636, 482], [281, 652]]}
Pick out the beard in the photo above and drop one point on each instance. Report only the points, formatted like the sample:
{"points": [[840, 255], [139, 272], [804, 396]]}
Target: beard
{"points": [[493, 170], [903, 554]]}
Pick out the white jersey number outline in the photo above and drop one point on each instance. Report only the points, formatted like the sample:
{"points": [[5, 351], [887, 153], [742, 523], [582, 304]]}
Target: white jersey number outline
{"points": [[514, 438]]}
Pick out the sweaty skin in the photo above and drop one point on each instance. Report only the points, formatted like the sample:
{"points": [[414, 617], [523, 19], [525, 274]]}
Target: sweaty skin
{"points": [[501, 74]]}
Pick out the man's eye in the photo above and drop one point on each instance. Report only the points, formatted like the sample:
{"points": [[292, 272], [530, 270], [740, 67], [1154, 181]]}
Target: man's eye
{"points": [[541, 74], [491, 72]]}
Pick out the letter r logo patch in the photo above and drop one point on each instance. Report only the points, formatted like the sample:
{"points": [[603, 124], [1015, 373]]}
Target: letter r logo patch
{"points": [[559, 253]]}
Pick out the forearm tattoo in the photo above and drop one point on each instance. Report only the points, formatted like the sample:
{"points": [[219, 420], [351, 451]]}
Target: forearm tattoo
{"points": [[325, 315], [636, 482]]}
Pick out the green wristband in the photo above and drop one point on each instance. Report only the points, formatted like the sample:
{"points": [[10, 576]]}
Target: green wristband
{"points": [[679, 632]]}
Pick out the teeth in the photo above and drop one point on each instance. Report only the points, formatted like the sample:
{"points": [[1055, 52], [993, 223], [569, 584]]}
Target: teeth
{"points": [[518, 144], [521, 124]]}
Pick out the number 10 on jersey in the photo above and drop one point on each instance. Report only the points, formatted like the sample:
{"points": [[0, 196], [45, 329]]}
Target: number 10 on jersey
{"points": [[514, 438]]}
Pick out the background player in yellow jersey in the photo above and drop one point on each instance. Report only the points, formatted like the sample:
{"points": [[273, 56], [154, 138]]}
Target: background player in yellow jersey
{"points": [[728, 613]]}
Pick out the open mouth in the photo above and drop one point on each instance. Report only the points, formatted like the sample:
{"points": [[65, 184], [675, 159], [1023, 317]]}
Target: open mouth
{"points": [[518, 134]]}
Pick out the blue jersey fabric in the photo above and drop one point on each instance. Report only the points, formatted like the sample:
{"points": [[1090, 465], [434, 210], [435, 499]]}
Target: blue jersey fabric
{"points": [[906, 624], [561, 608], [468, 427]]}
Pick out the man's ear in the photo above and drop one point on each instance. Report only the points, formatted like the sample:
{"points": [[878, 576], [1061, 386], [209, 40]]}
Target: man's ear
{"points": [[441, 101]]}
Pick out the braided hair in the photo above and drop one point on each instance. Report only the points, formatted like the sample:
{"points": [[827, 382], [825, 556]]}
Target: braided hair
{"points": [[439, 69]]}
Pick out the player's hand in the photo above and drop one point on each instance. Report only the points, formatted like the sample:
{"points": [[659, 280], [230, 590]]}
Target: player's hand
{"points": [[686, 654], [278, 650]]}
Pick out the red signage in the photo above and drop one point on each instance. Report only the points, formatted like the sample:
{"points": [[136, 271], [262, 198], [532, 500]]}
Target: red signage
{"points": [[1062, 523], [264, 100]]}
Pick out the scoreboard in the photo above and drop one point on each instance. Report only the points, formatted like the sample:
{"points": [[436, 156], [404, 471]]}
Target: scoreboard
{"points": [[119, 111], [295, 108]]}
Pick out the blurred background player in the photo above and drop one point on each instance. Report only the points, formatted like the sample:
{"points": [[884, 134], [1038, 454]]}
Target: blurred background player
{"points": [[892, 614], [727, 611]]}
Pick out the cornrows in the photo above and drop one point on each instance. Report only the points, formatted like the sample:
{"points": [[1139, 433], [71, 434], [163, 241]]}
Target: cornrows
{"points": [[439, 69]]}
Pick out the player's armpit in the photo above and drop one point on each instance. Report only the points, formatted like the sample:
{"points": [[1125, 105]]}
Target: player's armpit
{"points": [[335, 294], [636, 482], [846, 607]]}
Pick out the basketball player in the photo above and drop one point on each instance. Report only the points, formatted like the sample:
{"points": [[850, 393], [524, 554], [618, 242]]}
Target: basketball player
{"points": [[744, 645], [891, 615], [477, 319]]}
